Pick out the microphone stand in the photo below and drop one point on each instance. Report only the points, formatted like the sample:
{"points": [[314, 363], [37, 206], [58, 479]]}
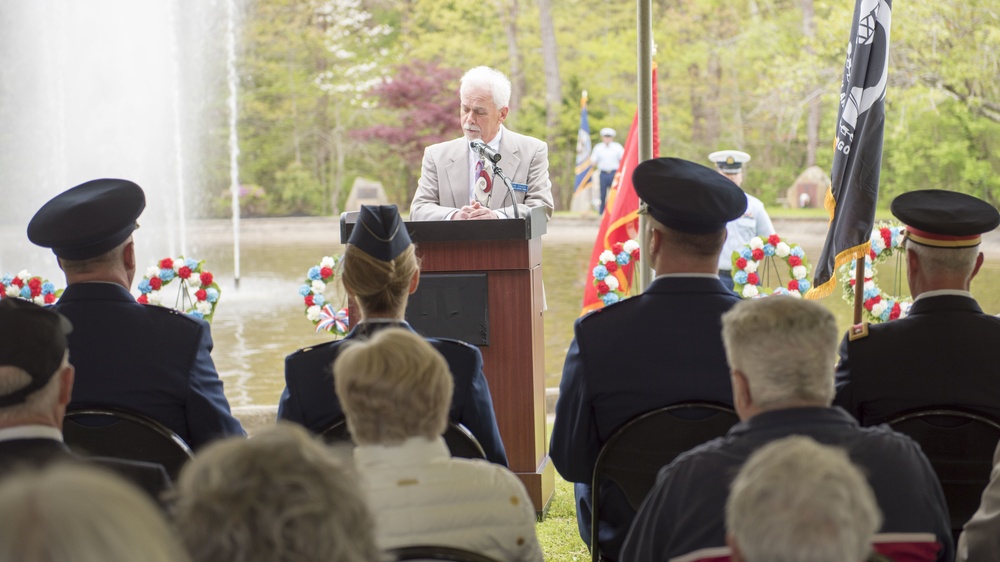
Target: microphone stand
{"points": [[510, 188]]}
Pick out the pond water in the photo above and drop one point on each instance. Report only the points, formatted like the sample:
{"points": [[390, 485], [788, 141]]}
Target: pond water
{"points": [[256, 325]]}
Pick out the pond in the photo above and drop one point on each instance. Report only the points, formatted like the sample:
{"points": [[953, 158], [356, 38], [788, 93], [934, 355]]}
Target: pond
{"points": [[256, 325]]}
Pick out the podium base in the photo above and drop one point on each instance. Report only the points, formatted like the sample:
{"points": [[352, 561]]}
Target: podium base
{"points": [[541, 485]]}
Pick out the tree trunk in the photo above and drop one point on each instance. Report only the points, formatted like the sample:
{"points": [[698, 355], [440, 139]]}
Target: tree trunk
{"points": [[553, 85], [812, 117], [508, 15]]}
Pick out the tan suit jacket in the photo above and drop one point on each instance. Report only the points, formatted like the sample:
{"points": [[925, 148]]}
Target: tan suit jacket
{"points": [[444, 180], [980, 540]]}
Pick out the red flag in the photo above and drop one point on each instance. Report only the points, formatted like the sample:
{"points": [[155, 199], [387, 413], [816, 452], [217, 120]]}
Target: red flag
{"points": [[620, 221]]}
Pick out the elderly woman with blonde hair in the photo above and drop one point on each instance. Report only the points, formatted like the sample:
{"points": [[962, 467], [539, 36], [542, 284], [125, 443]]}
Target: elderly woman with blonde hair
{"points": [[395, 390], [279, 496], [380, 271], [74, 513]]}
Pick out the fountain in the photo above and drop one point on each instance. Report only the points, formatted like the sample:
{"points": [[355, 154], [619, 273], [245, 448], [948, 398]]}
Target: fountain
{"points": [[105, 88]]}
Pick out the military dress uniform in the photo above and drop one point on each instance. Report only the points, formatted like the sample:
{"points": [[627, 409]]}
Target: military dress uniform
{"points": [[943, 353], [660, 348], [309, 397], [142, 358]]}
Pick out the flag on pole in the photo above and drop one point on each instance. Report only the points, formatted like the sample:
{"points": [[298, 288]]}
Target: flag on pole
{"points": [[857, 158], [584, 169], [620, 221]]}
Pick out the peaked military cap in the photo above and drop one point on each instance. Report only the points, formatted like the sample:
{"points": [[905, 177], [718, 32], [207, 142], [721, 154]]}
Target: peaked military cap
{"points": [[944, 219], [729, 161], [380, 232], [32, 338], [686, 196], [88, 220], [607, 132]]}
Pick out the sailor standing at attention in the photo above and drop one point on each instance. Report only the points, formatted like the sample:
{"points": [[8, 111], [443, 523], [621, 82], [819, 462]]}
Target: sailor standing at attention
{"points": [[754, 221]]}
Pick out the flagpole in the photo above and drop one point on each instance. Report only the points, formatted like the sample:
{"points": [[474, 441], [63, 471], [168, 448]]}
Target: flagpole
{"points": [[859, 289], [645, 108]]}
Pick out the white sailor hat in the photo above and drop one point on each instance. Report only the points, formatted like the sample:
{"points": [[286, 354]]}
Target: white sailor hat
{"points": [[607, 132], [729, 161]]}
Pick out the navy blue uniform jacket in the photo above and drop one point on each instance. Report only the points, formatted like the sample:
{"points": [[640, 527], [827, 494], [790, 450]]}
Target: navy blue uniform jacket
{"points": [[310, 399], [943, 353], [146, 359], [686, 510], [656, 349]]}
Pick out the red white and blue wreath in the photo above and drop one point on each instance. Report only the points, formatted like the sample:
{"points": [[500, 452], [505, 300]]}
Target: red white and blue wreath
{"points": [[760, 255], [29, 287], [198, 294], [318, 310], [612, 288], [879, 306]]}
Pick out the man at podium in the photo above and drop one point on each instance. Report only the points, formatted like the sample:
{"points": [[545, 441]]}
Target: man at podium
{"points": [[459, 179]]}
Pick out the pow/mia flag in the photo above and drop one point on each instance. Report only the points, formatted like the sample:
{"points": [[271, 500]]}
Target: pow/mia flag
{"points": [[858, 151]]}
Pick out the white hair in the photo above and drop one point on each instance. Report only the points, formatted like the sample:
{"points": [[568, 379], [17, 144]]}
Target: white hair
{"points": [[944, 261], [786, 347], [74, 513], [39, 403], [490, 79], [280, 495], [798, 501]]}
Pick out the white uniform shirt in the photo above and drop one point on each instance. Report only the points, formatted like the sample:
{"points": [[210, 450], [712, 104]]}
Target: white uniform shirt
{"points": [[754, 222], [607, 156]]}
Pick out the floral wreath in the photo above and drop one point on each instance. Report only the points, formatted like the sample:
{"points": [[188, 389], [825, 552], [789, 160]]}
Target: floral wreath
{"points": [[198, 294], [29, 287], [886, 241], [318, 311], [760, 253], [611, 285]]}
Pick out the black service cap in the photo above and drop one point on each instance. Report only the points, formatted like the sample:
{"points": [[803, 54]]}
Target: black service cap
{"points": [[88, 220], [32, 338], [686, 196], [380, 232], [944, 219]]}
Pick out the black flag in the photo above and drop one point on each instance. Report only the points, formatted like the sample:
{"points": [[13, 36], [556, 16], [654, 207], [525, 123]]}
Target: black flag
{"points": [[858, 151]]}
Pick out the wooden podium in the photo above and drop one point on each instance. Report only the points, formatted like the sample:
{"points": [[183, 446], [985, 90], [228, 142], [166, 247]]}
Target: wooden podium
{"points": [[481, 282]]}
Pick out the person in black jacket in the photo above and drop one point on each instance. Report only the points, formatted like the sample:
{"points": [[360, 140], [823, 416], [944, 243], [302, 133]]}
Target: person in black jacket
{"points": [[36, 381], [380, 272]]}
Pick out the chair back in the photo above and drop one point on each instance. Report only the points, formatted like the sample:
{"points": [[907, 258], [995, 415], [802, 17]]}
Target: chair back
{"points": [[960, 447], [108, 432], [459, 439], [637, 450], [431, 552]]}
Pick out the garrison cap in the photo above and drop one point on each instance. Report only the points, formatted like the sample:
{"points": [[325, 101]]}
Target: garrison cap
{"points": [[607, 132], [729, 161], [32, 338], [88, 220], [380, 232], [686, 196], [944, 219]]}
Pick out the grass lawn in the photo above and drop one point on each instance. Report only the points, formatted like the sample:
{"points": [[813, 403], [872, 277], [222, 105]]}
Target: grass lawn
{"points": [[558, 534]]}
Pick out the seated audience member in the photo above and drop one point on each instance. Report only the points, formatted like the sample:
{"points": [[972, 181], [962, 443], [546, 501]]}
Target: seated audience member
{"points": [[671, 331], [781, 351], [80, 514], [980, 540], [395, 390], [380, 271], [795, 499], [142, 358], [944, 351], [36, 380], [281, 495]]}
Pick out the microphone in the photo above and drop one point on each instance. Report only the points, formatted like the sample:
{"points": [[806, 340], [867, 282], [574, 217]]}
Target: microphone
{"points": [[485, 151]]}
